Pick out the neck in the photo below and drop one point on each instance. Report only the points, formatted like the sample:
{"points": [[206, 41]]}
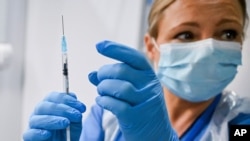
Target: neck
{"points": [[183, 113]]}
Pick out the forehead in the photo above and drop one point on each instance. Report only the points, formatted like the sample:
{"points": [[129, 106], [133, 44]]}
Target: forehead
{"points": [[204, 9]]}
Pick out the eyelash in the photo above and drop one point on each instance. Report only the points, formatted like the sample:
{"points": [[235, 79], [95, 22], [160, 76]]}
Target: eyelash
{"points": [[231, 33], [188, 36], [228, 34]]}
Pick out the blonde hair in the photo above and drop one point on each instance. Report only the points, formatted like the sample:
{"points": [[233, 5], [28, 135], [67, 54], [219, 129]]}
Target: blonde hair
{"points": [[158, 8], [156, 14]]}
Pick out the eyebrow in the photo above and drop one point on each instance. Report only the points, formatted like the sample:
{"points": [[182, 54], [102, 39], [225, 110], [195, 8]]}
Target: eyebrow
{"points": [[229, 21], [225, 20], [190, 24]]}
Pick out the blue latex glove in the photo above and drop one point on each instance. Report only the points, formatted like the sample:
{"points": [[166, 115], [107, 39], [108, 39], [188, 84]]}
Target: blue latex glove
{"points": [[132, 92], [53, 115]]}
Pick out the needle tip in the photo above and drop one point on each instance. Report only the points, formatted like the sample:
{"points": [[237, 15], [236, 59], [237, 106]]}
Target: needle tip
{"points": [[62, 25]]}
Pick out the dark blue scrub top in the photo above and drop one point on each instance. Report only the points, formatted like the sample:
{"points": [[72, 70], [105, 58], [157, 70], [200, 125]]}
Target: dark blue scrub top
{"points": [[197, 129]]}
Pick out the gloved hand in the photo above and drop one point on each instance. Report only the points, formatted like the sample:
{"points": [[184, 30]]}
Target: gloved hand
{"points": [[53, 115], [132, 92]]}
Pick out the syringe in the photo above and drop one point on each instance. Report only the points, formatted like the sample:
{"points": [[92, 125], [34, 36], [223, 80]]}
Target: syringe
{"points": [[65, 61], [65, 70]]}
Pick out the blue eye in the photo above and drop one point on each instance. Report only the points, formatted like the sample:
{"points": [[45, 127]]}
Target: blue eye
{"points": [[185, 36], [229, 35]]}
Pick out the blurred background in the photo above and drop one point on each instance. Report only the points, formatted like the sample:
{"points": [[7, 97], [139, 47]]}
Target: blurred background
{"points": [[30, 51]]}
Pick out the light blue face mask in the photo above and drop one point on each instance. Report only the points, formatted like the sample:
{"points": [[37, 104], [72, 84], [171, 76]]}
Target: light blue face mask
{"points": [[199, 70]]}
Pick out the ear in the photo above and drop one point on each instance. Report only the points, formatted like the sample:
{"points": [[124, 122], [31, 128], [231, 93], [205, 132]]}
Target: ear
{"points": [[150, 49]]}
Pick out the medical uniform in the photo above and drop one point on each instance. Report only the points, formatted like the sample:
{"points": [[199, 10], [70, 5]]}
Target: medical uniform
{"points": [[212, 125]]}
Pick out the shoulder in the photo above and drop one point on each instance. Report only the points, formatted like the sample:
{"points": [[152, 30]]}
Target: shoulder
{"points": [[96, 110], [94, 118], [242, 108], [95, 113], [235, 108], [241, 119], [92, 125]]}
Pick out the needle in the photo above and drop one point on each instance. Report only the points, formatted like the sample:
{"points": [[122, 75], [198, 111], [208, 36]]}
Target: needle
{"points": [[65, 71]]}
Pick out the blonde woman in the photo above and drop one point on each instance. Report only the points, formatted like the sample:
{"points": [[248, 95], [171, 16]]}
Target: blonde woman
{"points": [[195, 47]]}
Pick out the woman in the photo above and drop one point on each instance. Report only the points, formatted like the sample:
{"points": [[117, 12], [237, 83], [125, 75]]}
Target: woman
{"points": [[195, 47]]}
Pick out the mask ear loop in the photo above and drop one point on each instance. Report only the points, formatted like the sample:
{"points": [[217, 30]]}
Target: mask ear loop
{"points": [[155, 44]]}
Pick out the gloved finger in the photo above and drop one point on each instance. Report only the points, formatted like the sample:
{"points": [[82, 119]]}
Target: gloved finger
{"points": [[117, 107], [93, 78], [75, 131], [73, 95], [49, 108], [122, 90], [36, 135], [67, 99], [122, 71], [48, 122], [124, 54]]}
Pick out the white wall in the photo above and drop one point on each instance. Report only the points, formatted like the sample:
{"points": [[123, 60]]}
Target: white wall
{"points": [[86, 23], [12, 30], [3, 17]]}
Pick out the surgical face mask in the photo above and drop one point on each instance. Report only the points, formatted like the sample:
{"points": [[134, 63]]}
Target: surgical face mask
{"points": [[198, 71]]}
